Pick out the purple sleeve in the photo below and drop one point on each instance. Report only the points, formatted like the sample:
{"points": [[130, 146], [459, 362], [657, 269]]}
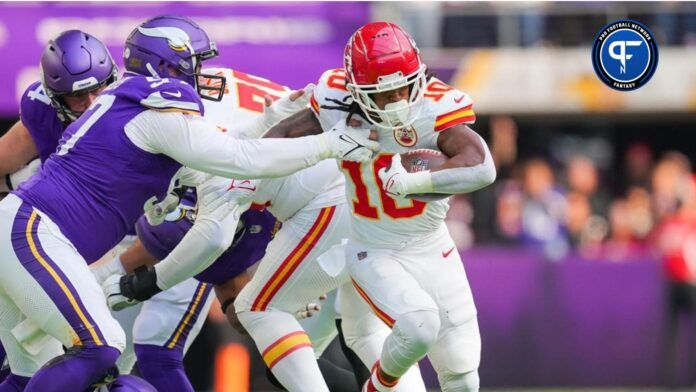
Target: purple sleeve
{"points": [[41, 120], [160, 94], [160, 240], [249, 246]]}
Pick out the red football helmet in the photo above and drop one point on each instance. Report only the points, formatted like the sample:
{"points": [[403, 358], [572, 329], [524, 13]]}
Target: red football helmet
{"points": [[379, 57]]}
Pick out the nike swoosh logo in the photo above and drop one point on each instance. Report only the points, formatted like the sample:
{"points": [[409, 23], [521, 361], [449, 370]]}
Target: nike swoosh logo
{"points": [[457, 100], [177, 95], [445, 254], [348, 139]]}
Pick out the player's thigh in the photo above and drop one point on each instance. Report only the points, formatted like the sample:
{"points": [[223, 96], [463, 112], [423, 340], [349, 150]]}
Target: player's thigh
{"points": [[363, 331], [50, 282], [439, 270], [382, 281], [174, 317], [289, 276]]}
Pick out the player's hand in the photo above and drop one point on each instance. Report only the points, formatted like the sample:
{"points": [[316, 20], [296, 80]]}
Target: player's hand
{"points": [[310, 309], [287, 105], [393, 178], [155, 212], [220, 196], [114, 298], [348, 143], [14, 179], [242, 192]]}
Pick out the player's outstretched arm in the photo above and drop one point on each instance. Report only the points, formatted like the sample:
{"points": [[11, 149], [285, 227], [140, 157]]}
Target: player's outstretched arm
{"points": [[199, 144], [469, 168], [17, 148], [219, 208]]}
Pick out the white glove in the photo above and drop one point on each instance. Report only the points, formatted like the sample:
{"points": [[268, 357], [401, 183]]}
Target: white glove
{"points": [[350, 144], [287, 105], [155, 212], [14, 179], [399, 183], [221, 196], [114, 298], [392, 177], [274, 112]]}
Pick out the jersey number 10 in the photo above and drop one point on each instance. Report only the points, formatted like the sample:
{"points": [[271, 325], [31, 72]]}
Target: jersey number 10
{"points": [[363, 206]]}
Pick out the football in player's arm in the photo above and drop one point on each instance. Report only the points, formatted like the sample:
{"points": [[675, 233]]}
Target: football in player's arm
{"points": [[470, 166]]}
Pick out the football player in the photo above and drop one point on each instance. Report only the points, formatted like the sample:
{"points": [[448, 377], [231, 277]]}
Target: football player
{"points": [[401, 257], [311, 204], [123, 150], [75, 68]]}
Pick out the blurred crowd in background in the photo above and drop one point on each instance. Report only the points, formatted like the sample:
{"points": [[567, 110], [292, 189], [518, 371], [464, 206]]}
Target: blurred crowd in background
{"points": [[536, 23], [603, 206]]}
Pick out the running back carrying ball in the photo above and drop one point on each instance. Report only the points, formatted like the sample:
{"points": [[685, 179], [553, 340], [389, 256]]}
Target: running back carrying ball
{"points": [[420, 160]]}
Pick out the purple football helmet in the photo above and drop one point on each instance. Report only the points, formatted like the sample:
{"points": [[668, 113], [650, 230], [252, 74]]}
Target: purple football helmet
{"points": [[127, 383], [176, 42], [74, 63]]}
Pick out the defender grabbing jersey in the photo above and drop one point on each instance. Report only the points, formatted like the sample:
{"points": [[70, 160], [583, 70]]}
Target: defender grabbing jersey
{"points": [[122, 151]]}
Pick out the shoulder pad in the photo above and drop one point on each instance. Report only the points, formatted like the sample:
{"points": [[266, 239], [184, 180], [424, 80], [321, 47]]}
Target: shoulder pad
{"points": [[35, 104], [159, 94], [331, 101], [450, 105]]}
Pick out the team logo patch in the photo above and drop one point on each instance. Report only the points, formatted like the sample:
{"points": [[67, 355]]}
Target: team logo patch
{"points": [[362, 255], [406, 137], [624, 55]]}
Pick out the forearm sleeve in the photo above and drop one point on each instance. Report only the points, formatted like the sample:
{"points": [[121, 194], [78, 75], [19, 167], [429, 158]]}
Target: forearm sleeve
{"points": [[200, 247], [198, 144]]}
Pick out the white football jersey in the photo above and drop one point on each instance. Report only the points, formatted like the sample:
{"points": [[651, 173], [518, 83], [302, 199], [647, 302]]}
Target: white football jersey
{"points": [[315, 187], [377, 218]]}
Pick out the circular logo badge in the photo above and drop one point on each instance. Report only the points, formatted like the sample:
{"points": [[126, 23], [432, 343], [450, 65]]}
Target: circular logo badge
{"points": [[624, 55]]}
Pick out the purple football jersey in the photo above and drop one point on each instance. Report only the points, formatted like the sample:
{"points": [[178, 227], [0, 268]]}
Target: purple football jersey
{"points": [[41, 120], [248, 247], [95, 185]]}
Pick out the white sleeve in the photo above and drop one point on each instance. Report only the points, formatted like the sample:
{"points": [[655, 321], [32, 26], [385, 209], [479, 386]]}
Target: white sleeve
{"points": [[455, 180], [200, 247], [198, 144], [466, 179], [191, 177], [212, 233]]}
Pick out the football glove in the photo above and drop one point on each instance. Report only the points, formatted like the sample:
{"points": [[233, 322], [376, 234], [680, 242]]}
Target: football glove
{"points": [[348, 143]]}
